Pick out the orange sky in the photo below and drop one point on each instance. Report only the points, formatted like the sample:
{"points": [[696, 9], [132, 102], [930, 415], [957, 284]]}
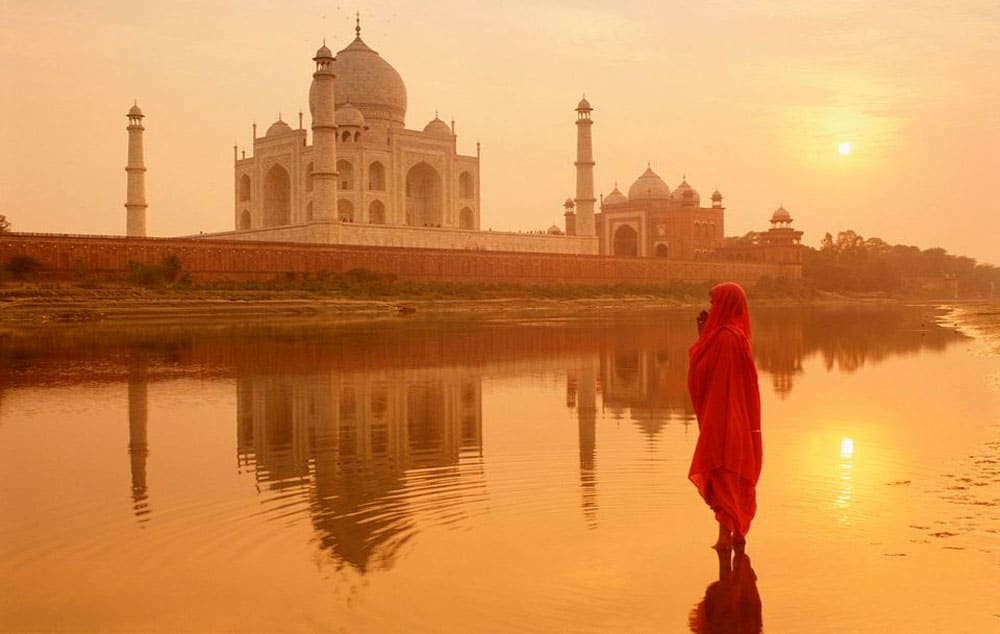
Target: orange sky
{"points": [[749, 97]]}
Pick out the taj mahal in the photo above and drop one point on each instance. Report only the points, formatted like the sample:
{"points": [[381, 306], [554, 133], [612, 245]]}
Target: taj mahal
{"points": [[368, 180]]}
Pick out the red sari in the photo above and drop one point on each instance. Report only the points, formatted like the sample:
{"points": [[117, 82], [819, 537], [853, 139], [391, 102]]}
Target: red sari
{"points": [[722, 382]]}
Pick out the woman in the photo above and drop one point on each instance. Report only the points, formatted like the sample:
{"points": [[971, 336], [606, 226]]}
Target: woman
{"points": [[722, 382]]}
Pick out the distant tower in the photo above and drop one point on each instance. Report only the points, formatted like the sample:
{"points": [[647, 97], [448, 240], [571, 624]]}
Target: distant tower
{"points": [[135, 193], [324, 129], [570, 216], [584, 171]]}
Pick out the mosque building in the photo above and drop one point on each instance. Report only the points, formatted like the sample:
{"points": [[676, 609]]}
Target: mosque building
{"points": [[654, 221]]}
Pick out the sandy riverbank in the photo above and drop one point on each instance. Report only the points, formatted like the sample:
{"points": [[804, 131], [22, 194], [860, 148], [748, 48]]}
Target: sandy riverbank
{"points": [[33, 306]]}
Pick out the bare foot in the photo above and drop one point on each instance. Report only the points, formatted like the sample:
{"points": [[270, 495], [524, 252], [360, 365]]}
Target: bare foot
{"points": [[725, 541]]}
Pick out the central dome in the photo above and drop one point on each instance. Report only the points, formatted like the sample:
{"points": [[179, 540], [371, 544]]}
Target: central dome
{"points": [[370, 83], [649, 186]]}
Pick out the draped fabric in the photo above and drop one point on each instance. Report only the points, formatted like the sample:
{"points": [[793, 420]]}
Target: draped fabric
{"points": [[722, 382]]}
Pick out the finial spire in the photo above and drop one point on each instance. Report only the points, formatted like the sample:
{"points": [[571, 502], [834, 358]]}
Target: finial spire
{"points": [[357, 24]]}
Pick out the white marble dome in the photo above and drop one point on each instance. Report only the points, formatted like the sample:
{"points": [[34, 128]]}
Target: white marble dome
{"points": [[348, 115], [649, 186], [277, 128], [323, 52], [370, 83], [437, 127]]}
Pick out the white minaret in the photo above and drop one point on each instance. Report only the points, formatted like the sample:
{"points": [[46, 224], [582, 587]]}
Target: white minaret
{"points": [[584, 171], [135, 193], [324, 132]]}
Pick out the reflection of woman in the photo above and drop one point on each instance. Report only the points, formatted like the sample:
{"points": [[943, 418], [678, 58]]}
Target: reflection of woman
{"points": [[722, 382], [731, 604]]}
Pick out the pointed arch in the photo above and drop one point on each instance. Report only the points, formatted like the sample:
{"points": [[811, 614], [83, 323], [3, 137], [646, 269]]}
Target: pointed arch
{"points": [[309, 177], [662, 250], [346, 171], [277, 197], [245, 219], [309, 210], [376, 177], [376, 213], [626, 242], [345, 210], [466, 186], [466, 219], [244, 188], [423, 196]]}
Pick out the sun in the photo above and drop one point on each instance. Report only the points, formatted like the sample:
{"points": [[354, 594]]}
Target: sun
{"points": [[844, 148]]}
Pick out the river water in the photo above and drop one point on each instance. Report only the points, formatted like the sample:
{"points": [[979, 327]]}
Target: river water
{"points": [[495, 475]]}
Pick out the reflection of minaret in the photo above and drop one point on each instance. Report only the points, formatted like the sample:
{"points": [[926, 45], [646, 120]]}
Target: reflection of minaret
{"points": [[586, 411], [138, 450]]}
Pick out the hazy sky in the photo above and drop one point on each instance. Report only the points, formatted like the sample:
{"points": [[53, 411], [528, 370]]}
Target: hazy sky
{"points": [[750, 97]]}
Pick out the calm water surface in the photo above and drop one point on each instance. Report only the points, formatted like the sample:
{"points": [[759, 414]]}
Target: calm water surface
{"points": [[494, 476]]}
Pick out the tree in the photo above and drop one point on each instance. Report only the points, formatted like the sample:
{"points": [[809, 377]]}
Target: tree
{"points": [[4, 224]]}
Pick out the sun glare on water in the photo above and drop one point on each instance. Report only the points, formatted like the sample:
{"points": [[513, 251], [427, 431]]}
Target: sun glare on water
{"points": [[844, 148]]}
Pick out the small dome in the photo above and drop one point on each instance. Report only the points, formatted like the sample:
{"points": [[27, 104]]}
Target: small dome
{"points": [[781, 215], [685, 194], [615, 198], [437, 127], [583, 105], [569, 204], [554, 230], [649, 186], [277, 128], [323, 53], [348, 115], [135, 111], [716, 195]]}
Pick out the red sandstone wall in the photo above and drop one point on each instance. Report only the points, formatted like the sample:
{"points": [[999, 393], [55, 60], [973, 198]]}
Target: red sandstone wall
{"points": [[64, 256]]}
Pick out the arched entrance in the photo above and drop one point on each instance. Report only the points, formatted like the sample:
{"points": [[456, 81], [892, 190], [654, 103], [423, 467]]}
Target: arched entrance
{"points": [[423, 196], [376, 213], [346, 171], [626, 243], [466, 188], [244, 187], [345, 210], [376, 177], [466, 219], [277, 197], [245, 219], [662, 251]]}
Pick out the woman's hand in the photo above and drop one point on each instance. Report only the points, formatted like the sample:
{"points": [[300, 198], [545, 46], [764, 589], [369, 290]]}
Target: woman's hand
{"points": [[702, 318]]}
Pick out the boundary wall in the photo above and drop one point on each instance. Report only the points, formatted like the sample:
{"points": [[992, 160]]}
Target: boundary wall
{"points": [[208, 260], [363, 234]]}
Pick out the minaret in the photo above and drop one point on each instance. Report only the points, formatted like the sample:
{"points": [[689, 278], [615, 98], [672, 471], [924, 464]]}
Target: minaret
{"points": [[324, 130], [584, 171], [135, 194]]}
